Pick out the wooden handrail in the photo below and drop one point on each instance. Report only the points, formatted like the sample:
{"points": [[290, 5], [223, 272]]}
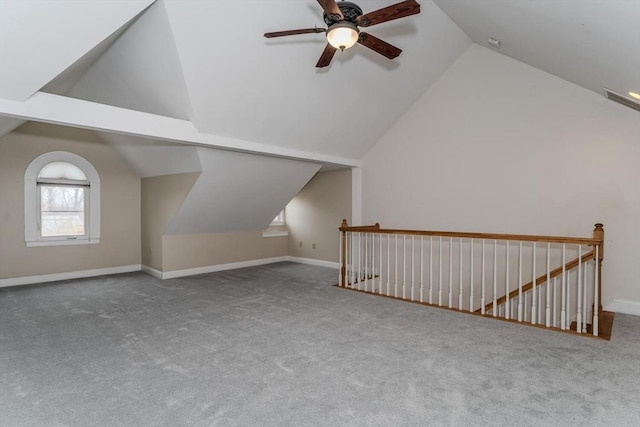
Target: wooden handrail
{"points": [[488, 236], [374, 227], [527, 287]]}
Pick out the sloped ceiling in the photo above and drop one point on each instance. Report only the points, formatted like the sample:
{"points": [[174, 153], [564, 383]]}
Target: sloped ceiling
{"points": [[238, 191], [140, 70], [205, 65], [40, 39], [592, 43], [245, 86]]}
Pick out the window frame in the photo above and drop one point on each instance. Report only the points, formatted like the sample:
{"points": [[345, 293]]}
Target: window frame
{"points": [[32, 201], [86, 189], [280, 219]]}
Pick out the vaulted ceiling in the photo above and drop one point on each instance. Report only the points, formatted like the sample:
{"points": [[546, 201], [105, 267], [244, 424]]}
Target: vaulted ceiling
{"points": [[153, 75], [205, 65]]}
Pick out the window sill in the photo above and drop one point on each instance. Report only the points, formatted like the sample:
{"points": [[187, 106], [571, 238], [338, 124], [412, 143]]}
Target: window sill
{"points": [[66, 242], [275, 234]]}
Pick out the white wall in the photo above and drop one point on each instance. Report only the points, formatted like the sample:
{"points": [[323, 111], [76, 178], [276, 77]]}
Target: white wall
{"points": [[498, 146]]}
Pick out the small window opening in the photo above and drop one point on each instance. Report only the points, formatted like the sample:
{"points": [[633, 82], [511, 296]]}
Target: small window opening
{"points": [[279, 219]]}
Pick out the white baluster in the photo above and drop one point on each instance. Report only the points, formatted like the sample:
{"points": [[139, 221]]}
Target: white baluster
{"points": [[579, 296], [395, 289], [380, 275], [354, 263], [563, 308], [471, 278], [548, 289], [342, 241], [440, 272], [353, 260], [482, 280], [584, 298], [404, 265], [526, 306], [596, 296], [373, 262], [430, 269], [374, 267], [495, 278], [413, 283], [450, 272], [533, 294], [568, 315], [347, 269], [460, 275], [421, 269], [366, 260], [359, 271], [555, 303], [388, 264], [520, 282], [507, 301], [540, 304]]}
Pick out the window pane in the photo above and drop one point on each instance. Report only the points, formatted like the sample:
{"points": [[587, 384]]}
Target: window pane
{"points": [[62, 211], [62, 170], [279, 219]]}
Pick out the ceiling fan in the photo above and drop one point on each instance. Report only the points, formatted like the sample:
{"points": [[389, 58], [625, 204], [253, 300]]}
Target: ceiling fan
{"points": [[344, 18]]}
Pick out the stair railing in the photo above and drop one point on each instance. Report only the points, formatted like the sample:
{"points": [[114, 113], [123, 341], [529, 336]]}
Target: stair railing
{"points": [[549, 281]]}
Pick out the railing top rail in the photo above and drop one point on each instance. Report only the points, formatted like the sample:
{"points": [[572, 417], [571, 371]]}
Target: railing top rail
{"points": [[468, 235]]}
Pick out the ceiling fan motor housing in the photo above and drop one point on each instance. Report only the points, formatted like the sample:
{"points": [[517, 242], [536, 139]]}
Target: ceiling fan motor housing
{"points": [[349, 10]]}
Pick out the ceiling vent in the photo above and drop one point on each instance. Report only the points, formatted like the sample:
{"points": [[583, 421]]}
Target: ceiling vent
{"points": [[624, 100]]}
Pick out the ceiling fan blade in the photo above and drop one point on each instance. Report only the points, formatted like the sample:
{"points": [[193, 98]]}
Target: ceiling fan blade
{"points": [[294, 32], [389, 13], [331, 8], [380, 46], [326, 57]]}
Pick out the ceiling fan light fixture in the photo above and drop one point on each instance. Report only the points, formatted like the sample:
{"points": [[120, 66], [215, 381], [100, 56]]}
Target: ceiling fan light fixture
{"points": [[343, 35]]}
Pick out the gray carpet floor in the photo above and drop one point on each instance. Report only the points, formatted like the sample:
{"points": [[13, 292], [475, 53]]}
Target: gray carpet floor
{"points": [[278, 345]]}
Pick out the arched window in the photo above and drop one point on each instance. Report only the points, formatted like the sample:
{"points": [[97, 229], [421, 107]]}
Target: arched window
{"points": [[62, 200]]}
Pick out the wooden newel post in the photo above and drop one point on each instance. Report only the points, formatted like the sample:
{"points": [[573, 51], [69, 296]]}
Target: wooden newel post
{"points": [[343, 257], [598, 233]]}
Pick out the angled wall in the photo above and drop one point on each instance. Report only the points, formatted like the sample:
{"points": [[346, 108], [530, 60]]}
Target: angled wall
{"points": [[498, 146], [314, 215], [161, 197], [239, 192]]}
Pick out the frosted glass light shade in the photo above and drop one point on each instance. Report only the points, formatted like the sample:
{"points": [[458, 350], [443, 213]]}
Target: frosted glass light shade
{"points": [[342, 35]]}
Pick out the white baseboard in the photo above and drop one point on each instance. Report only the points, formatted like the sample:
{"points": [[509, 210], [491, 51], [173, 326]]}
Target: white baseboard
{"points": [[623, 306], [152, 271], [220, 267], [28, 280], [233, 265], [312, 261]]}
